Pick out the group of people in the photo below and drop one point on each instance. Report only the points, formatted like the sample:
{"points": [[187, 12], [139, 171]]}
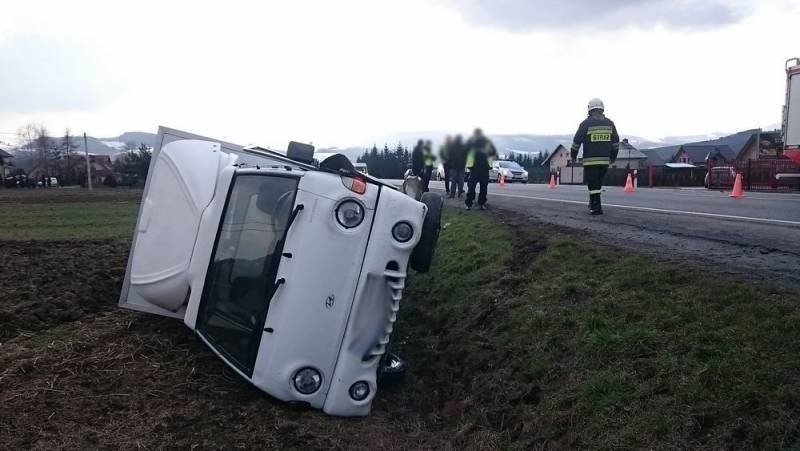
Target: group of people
{"points": [[471, 161], [462, 161]]}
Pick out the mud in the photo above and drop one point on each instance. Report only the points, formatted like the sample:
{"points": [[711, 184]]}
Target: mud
{"points": [[46, 283]]}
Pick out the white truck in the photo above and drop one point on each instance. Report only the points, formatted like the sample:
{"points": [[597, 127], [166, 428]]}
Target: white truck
{"points": [[291, 273], [791, 111]]}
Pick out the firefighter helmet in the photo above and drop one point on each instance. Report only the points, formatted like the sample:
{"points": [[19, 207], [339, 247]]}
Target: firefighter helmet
{"points": [[596, 104]]}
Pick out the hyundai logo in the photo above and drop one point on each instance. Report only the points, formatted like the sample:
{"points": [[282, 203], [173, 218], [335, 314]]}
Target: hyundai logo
{"points": [[329, 301]]}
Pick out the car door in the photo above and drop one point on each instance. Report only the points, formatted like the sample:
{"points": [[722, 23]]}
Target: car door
{"points": [[186, 187]]}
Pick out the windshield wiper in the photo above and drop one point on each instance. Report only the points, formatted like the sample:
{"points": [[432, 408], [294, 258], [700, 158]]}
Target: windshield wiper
{"points": [[291, 220]]}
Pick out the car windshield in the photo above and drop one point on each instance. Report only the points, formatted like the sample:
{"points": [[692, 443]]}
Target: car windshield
{"points": [[510, 165], [244, 265]]}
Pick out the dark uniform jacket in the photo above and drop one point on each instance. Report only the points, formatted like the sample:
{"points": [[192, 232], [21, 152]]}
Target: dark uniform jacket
{"points": [[457, 155], [600, 141], [417, 160]]}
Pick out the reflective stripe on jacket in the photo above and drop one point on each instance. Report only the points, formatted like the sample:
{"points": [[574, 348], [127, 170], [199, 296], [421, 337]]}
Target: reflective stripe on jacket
{"points": [[600, 141]]}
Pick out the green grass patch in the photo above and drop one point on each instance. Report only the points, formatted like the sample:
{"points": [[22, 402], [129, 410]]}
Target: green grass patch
{"points": [[68, 220], [591, 346]]}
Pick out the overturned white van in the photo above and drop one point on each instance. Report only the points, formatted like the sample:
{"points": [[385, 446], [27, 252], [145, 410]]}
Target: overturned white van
{"points": [[290, 272]]}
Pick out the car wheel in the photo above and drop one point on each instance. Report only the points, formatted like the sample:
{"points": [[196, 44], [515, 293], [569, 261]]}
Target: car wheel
{"points": [[422, 256], [391, 370]]}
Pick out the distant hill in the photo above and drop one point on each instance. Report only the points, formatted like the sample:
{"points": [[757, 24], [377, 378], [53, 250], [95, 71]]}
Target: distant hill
{"points": [[136, 138], [525, 143]]}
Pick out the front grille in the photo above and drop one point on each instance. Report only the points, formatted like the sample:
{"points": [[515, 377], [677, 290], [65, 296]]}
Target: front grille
{"points": [[396, 280], [517, 173]]}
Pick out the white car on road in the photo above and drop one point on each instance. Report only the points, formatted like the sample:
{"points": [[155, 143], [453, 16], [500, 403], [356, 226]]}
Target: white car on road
{"points": [[290, 273], [510, 170]]}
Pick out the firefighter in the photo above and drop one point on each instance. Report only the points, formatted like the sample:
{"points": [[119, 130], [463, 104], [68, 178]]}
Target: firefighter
{"points": [[600, 141], [480, 156], [444, 155], [429, 160]]}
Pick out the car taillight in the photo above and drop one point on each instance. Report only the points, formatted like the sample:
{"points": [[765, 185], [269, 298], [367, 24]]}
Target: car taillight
{"points": [[355, 184]]}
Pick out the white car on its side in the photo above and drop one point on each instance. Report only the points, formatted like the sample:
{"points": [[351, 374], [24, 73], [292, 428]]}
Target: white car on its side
{"points": [[290, 273]]}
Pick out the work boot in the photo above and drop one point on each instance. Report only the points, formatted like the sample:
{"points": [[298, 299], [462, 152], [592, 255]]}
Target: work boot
{"points": [[469, 207], [595, 208]]}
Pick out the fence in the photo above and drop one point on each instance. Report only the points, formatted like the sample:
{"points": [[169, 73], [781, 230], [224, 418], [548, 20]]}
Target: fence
{"points": [[757, 175], [653, 176]]}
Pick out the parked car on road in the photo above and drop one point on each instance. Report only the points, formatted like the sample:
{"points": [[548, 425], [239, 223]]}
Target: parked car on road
{"points": [[510, 170]]}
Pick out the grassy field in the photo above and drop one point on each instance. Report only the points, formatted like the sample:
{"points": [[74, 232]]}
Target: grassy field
{"points": [[59, 214], [523, 336], [556, 340], [60, 221]]}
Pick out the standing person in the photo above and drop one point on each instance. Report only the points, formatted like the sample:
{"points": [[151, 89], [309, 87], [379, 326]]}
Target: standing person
{"points": [[600, 141], [417, 159], [444, 155], [480, 156], [457, 154], [429, 160]]}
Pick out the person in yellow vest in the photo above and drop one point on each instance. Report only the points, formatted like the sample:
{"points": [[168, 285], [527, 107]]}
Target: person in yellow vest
{"points": [[429, 160], [480, 157]]}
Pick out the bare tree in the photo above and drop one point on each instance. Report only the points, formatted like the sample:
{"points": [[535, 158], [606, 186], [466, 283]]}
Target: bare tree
{"points": [[26, 136], [68, 145], [47, 152]]}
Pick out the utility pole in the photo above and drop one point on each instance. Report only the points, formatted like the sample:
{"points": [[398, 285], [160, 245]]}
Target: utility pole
{"points": [[88, 165]]}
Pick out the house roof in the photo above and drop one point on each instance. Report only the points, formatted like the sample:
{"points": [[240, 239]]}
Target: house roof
{"points": [[700, 152], [547, 160], [659, 156], [628, 152], [679, 165], [735, 142]]}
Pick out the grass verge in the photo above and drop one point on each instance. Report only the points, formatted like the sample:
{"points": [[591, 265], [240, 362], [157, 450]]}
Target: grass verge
{"points": [[541, 338]]}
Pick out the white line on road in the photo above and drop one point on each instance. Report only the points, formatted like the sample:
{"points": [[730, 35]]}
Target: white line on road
{"points": [[657, 210]]}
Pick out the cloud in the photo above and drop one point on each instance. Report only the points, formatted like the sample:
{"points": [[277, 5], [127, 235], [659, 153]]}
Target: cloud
{"points": [[530, 15], [42, 73]]}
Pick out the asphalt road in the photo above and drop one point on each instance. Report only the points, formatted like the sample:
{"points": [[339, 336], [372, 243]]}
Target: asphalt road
{"points": [[757, 236]]}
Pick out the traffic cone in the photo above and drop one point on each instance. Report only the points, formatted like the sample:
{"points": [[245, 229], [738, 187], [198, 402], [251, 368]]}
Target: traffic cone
{"points": [[552, 181], [737, 192], [502, 180], [629, 185]]}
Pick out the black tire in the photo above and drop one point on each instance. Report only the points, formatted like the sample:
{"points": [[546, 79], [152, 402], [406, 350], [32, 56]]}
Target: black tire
{"points": [[422, 256]]}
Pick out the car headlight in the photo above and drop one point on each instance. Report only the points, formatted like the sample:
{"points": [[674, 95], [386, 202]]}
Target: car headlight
{"points": [[307, 380], [402, 231], [359, 391], [525, 174], [350, 214]]}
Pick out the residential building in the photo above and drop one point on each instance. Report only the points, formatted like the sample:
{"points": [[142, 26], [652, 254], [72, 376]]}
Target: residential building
{"points": [[747, 145], [5, 164], [557, 159], [76, 165], [629, 157]]}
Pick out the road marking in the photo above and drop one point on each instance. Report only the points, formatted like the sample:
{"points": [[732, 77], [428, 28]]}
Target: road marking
{"points": [[656, 210]]}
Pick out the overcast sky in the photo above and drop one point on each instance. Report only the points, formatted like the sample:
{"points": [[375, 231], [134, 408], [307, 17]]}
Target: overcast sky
{"points": [[344, 72]]}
